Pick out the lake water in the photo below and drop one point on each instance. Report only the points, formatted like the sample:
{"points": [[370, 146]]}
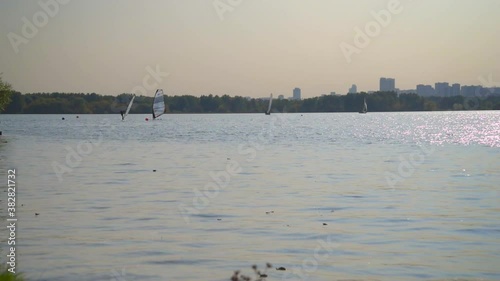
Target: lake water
{"points": [[341, 196]]}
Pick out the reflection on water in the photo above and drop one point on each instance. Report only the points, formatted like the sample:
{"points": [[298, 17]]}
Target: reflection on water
{"points": [[386, 196]]}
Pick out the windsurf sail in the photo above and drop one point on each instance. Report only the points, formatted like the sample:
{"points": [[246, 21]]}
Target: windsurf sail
{"points": [[365, 107], [158, 104], [129, 107], [270, 103]]}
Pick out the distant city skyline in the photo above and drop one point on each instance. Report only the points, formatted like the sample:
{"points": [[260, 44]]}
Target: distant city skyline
{"points": [[438, 89], [246, 48]]}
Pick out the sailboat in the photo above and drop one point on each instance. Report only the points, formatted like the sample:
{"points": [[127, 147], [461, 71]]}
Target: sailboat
{"points": [[365, 107], [158, 104], [268, 112], [128, 108]]}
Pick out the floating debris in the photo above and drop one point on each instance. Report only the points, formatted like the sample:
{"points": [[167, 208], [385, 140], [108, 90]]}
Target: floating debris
{"points": [[36, 214], [154, 170], [219, 219], [325, 224], [270, 212], [280, 268]]}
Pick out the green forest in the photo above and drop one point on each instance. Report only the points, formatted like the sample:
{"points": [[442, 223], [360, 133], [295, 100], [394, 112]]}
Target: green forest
{"points": [[79, 103]]}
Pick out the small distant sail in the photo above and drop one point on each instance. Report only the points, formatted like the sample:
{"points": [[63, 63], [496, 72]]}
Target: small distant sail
{"points": [[158, 104], [270, 103], [129, 107], [365, 107]]}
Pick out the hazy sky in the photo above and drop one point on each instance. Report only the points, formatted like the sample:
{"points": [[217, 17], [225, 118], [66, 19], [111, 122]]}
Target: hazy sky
{"points": [[245, 47]]}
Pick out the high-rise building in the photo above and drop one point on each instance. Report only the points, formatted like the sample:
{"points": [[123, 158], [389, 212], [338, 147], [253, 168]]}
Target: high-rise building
{"points": [[455, 89], [353, 89], [296, 94], [425, 90], [471, 91], [442, 89], [387, 84]]}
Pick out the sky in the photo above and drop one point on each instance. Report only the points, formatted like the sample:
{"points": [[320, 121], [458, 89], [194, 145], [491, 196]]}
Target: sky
{"points": [[246, 47]]}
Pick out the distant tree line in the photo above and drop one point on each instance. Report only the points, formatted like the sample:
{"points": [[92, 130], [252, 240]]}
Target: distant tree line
{"points": [[79, 103], [5, 93]]}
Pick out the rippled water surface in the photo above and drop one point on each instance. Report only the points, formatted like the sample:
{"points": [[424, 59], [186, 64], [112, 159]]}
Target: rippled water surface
{"points": [[377, 196]]}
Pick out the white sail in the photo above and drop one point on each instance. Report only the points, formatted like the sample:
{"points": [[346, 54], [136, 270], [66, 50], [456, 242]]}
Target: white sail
{"points": [[129, 106], [158, 104], [270, 103], [365, 107]]}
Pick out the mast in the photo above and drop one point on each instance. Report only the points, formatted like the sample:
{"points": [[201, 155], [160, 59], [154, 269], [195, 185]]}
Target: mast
{"points": [[153, 106]]}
